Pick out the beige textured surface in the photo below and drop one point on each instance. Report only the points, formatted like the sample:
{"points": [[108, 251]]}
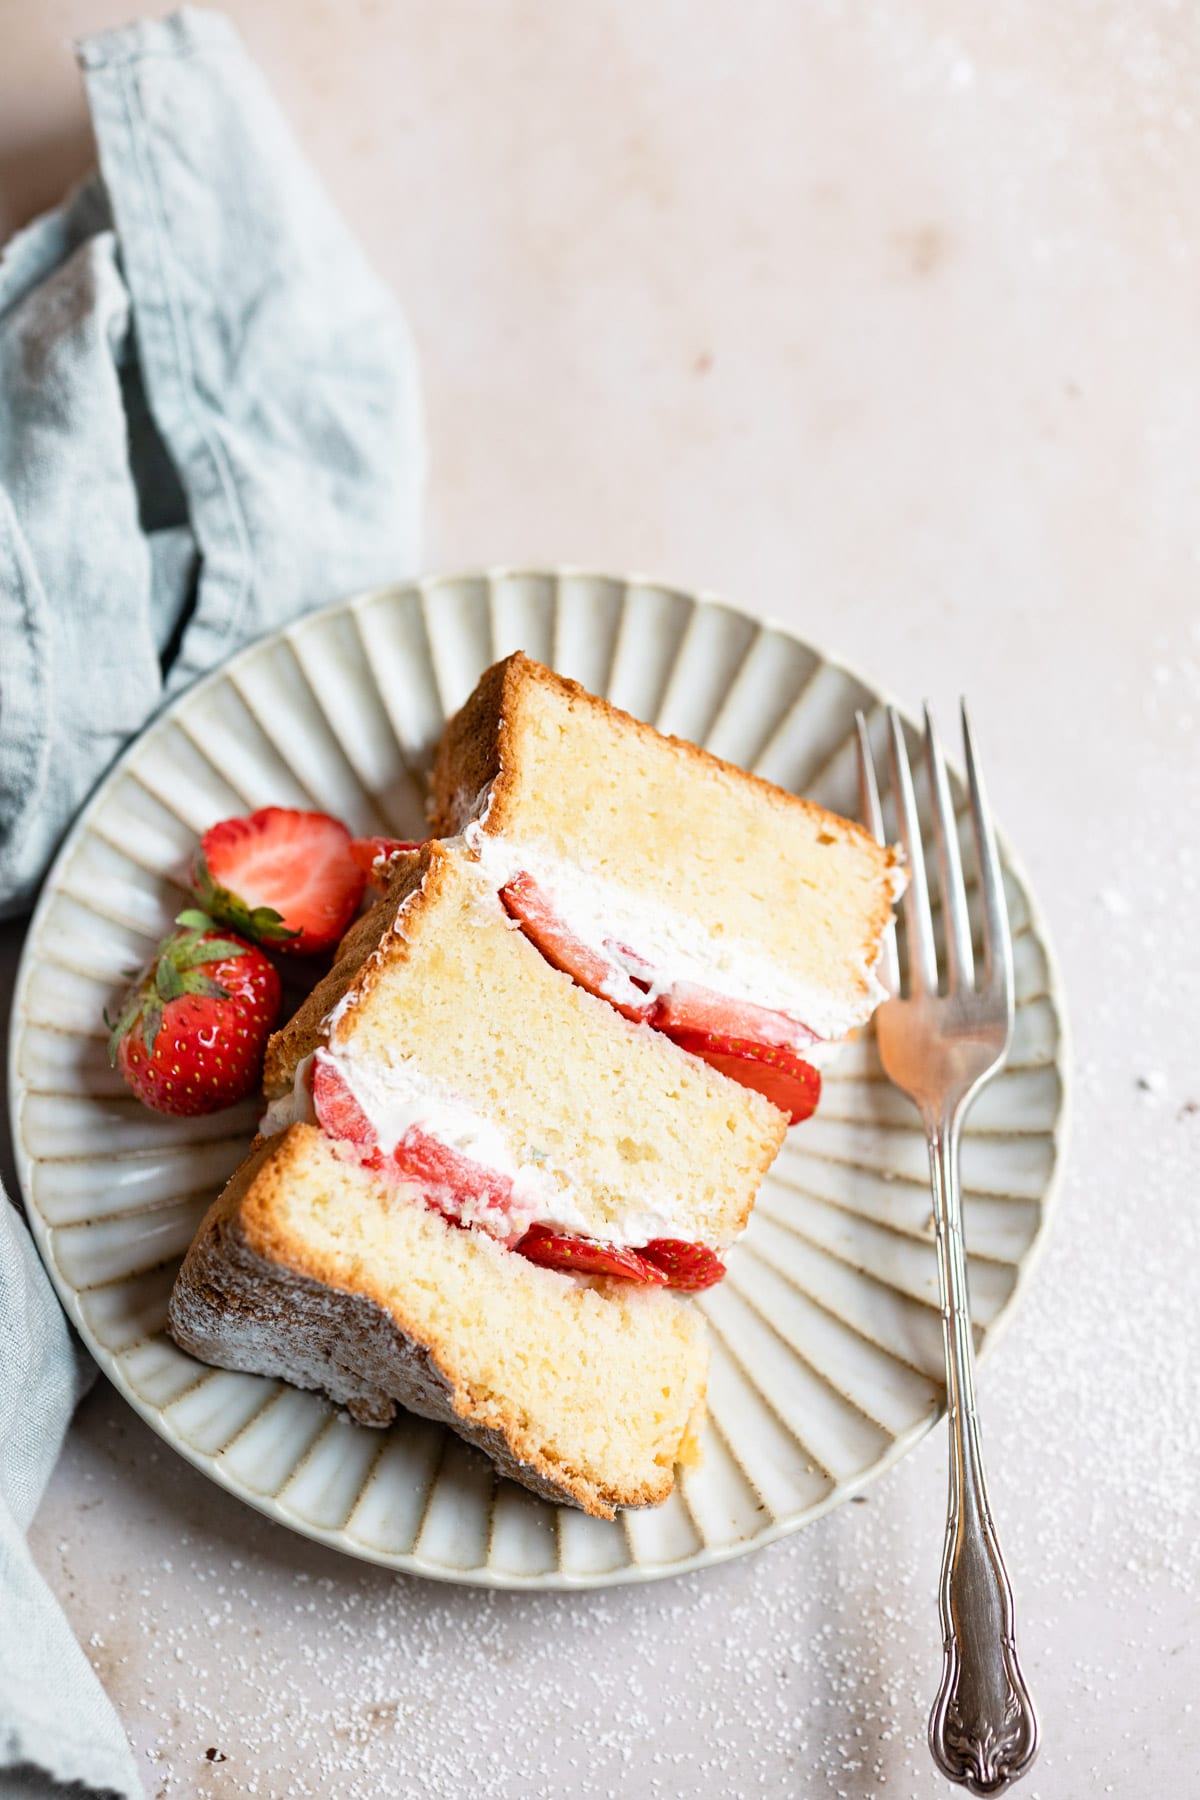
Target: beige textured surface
{"points": [[881, 319]]}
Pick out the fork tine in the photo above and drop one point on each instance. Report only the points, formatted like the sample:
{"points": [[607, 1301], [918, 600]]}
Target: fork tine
{"points": [[922, 958], [997, 940], [888, 968], [960, 958], [868, 789]]}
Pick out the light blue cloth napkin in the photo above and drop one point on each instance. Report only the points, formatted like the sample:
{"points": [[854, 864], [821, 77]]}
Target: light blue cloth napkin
{"points": [[57, 1725], [209, 417], [209, 421]]}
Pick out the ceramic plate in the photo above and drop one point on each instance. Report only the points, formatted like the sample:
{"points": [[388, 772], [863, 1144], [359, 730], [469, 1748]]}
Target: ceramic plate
{"points": [[826, 1336]]}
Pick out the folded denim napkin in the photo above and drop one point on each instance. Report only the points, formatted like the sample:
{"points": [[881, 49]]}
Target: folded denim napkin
{"points": [[209, 421]]}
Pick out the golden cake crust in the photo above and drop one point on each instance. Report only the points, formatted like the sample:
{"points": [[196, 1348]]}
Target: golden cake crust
{"points": [[476, 747], [414, 884]]}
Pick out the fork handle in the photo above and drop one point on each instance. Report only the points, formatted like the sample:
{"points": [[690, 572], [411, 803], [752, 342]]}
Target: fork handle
{"points": [[983, 1729]]}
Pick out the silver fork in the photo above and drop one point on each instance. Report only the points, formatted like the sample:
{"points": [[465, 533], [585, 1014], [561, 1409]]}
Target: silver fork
{"points": [[940, 1050]]}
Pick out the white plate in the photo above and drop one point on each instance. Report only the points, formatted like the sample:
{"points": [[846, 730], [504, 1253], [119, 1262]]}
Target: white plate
{"points": [[826, 1336]]}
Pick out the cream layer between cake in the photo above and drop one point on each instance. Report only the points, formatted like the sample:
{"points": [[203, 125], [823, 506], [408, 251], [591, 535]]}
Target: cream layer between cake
{"points": [[668, 947], [397, 1097]]}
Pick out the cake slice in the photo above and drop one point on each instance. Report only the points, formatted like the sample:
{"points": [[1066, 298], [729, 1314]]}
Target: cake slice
{"points": [[742, 921], [443, 1048], [316, 1269]]}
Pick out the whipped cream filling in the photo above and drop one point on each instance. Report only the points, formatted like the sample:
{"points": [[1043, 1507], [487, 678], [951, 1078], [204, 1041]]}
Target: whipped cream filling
{"points": [[651, 940], [397, 1096]]}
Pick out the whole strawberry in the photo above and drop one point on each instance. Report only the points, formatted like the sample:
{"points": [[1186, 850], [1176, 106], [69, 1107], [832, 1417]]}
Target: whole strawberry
{"points": [[191, 1034]]}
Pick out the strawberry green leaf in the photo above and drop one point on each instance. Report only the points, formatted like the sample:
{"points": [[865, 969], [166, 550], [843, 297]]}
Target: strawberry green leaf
{"points": [[168, 982], [152, 1020], [193, 982], [124, 1023], [265, 922], [214, 950], [194, 920]]}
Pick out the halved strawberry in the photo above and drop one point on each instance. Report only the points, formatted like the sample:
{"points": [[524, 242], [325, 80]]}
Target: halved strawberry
{"points": [[533, 909], [280, 877], [191, 1033], [688, 1007], [375, 856], [584, 1256], [788, 1082], [689, 1266], [625, 979]]}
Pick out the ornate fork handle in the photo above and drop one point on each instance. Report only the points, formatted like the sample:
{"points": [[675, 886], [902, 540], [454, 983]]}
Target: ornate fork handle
{"points": [[983, 1728]]}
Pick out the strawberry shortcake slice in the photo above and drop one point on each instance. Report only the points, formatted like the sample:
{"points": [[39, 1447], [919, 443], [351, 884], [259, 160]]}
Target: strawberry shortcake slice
{"points": [[742, 922]]}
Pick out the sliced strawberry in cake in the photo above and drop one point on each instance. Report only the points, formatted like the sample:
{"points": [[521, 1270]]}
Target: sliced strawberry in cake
{"points": [[688, 1266], [596, 970], [762, 1050], [417, 1156], [471, 1191], [587, 1256], [468, 1189], [752, 1045], [784, 1078]]}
